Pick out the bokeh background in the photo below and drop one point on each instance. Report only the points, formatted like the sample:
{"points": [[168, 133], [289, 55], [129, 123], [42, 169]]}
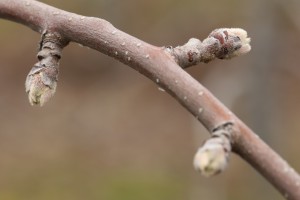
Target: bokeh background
{"points": [[110, 134]]}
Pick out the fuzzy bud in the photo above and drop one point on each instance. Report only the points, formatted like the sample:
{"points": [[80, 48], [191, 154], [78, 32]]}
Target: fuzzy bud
{"points": [[233, 42], [42, 79], [210, 160], [41, 84]]}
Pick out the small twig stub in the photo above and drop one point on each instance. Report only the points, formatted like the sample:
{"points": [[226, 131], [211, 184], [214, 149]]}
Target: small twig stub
{"points": [[42, 79], [213, 156]]}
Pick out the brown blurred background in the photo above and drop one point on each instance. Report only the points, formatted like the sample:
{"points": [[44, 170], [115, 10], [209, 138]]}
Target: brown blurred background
{"points": [[110, 134]]}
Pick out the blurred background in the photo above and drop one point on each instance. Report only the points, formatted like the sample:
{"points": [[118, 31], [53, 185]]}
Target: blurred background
{"points": [[110, 134]]}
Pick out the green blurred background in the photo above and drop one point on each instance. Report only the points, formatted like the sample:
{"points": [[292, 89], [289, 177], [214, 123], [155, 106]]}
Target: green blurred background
{"points": [[110, 134]]}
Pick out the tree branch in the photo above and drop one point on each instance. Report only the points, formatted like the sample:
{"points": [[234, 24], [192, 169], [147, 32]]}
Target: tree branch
{"points": [[161, 65]]}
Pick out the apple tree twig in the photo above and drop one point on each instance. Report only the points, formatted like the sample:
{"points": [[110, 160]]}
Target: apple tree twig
{"points": [[163, 65]]}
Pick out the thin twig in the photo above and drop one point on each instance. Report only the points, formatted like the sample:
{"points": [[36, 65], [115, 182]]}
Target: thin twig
{"points": [[160, 66]]}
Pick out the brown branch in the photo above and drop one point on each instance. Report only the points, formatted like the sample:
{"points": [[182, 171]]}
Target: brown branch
{"points": [[161, 66]]}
